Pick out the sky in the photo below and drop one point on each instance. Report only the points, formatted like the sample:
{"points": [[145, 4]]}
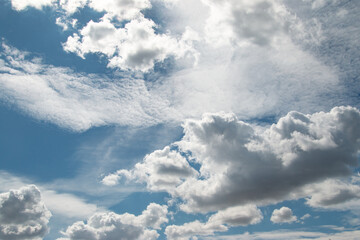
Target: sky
{"points": [[179, 119]]}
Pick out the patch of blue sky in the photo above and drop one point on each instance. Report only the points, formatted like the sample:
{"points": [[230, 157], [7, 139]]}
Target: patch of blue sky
{"points": [[36, 149]]}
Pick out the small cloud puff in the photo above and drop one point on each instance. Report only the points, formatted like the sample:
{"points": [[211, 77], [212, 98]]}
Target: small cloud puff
{"points": [[283, 215]]}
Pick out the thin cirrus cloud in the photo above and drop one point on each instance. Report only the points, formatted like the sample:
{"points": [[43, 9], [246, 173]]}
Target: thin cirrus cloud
{"points": [[236, 159]]}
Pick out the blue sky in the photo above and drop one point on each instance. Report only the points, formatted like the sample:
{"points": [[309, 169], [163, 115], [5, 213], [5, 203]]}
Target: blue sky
{"points": [[179, 120]]}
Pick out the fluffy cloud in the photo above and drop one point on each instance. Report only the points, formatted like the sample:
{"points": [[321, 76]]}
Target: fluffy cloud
{"points": [[71, 6], [161, 170], [20, 5], [258, 22], [136, 46], [23, 215], [237, 159], [196, 228], [283, 215], [122, 9], [335, 194], [219, 222], [110, 225]]}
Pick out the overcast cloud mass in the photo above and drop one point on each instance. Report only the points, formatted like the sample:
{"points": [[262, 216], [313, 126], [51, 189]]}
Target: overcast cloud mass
{"points": [[179, 119]]}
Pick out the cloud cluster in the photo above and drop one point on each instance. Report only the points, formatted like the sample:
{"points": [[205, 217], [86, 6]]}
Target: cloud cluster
{"points": [[109, 225], [241, 163], [283, 215], [23, 215], [136, 46]]}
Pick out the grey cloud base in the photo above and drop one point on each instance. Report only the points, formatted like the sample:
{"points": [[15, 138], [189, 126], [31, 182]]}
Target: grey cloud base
{"points": [[23, 215], [237, 159]]}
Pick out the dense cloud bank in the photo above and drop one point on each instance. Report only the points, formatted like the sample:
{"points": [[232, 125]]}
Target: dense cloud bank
{"points": [[23, 215], [240, 163]]}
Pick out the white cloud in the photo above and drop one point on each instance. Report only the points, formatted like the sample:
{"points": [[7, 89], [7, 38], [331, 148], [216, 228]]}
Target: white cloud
{"points": [[109, 225], [122, 9], [219, 222], [306, 216], [196, 228], [291, 235], [334, 194], [71, 6], [136, 46], [258, 22], [283, 215], [60, 204], [20, 5], [238, 216], [23, 215], [78, 101], [161, 170], [240, 163]]}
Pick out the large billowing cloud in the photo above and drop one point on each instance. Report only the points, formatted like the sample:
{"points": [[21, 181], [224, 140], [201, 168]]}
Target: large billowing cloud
{"points": [[23, 215], [241, 163], [111, 226]]}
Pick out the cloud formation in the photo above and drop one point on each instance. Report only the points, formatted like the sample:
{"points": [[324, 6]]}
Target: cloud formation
{"points": [[241, 163], [283, 215], [20, 5], [23, 215], [135, 47], [77, 101], [109, 225], [219, 222]]}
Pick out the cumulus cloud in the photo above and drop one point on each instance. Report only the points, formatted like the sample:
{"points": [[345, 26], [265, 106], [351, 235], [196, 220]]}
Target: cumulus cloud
{"points": [[196, 228], [161, 170], [219, 222], [23, 215], [257, 22], [71, 6], [283, 215], [60, 204], [109, 225], [136, 46], [241, 163], [122, 9], [20, 5], [335, 194]]}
